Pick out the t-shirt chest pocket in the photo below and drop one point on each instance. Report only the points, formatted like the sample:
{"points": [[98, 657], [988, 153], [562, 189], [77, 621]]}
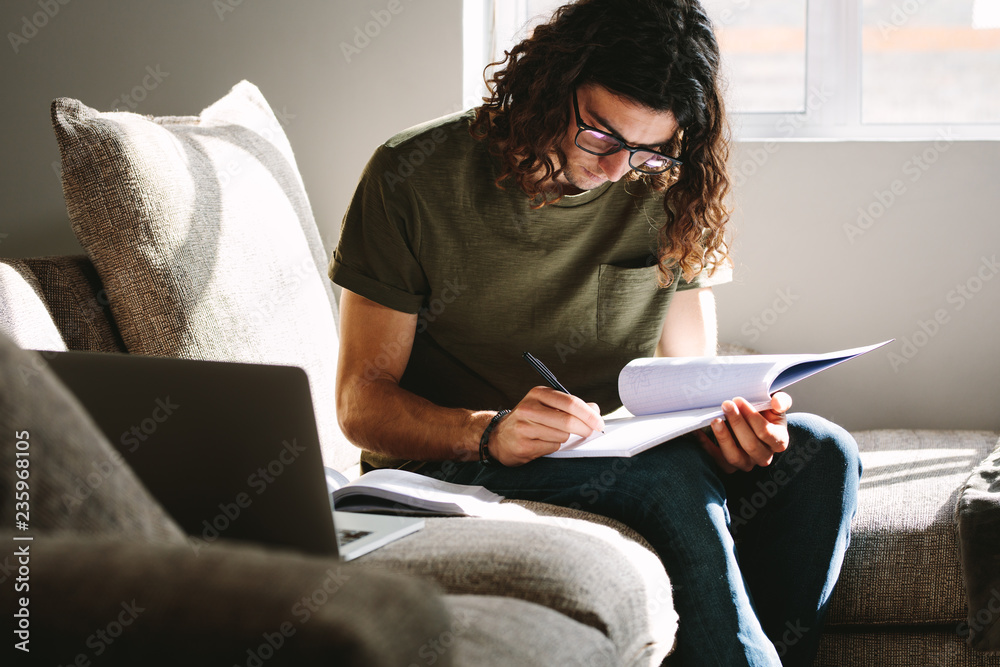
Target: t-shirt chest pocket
{"points": [[631, 306]]}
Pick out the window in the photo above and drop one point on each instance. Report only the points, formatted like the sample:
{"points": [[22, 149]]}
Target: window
{"points": [[853, 69], [764, 42], [930, 62]]}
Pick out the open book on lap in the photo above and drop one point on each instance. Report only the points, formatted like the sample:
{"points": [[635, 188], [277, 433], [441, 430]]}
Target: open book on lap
{"points": [[670, 396]]}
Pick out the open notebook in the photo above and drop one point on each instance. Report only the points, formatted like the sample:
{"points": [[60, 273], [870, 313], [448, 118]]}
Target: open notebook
{"points": [[666, 397]]}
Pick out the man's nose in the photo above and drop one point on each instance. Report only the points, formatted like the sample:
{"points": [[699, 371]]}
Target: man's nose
{"points": [[615, 165]]}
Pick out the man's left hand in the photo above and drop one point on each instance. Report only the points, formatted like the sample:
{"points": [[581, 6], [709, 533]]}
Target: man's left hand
{"points": [[748, 437]]}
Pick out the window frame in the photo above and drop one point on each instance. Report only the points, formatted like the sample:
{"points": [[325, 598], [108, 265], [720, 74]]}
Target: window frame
{"points": [[833, 82]]}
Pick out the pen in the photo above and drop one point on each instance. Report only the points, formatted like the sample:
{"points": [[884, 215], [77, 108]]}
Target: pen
{"points": [[546, 374]]}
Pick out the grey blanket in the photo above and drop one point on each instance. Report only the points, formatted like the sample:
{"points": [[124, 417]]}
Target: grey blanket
{"points": [[977, 516]]}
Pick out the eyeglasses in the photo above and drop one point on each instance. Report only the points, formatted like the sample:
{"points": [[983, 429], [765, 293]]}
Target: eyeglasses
{"points": [[600, 143]]}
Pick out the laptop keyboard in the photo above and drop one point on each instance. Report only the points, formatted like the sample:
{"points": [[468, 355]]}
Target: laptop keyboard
{"points": [[345, 537]]}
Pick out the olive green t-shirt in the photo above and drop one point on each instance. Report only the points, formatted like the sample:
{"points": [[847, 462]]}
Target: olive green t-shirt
{"points": [[575, 283]]}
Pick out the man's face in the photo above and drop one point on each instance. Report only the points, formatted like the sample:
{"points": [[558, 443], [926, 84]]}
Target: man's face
{"points": [[634, 124]]}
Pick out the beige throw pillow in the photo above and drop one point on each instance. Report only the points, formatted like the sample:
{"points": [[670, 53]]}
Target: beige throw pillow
{"points": [[23, 313], [202, 233]]}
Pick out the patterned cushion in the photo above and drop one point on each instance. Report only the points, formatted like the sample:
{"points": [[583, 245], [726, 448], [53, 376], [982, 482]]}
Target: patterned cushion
{"points": [[76, 481], [202, 234], [78, 302], [902, 567], [24, 316]]}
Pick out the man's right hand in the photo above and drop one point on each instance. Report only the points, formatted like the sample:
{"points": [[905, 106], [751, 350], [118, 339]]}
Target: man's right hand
{"points": [[540, 423]]}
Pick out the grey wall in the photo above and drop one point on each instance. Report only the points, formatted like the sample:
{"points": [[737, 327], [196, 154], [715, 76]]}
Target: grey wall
{"points": [[334, 111], [814, 274], [805, 282]]}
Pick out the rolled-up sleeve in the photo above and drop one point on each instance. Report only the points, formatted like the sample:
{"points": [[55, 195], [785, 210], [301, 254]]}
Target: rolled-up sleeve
{"points": [[375, 256]]}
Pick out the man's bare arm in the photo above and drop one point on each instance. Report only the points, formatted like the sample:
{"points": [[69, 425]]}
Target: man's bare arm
{"points": [[690, 327], [373, 411], [376, 414]]}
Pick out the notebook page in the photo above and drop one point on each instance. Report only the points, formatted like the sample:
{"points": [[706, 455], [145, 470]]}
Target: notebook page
{"points": [[668, 384], [664, 384], [629, 436], [802, 366]]}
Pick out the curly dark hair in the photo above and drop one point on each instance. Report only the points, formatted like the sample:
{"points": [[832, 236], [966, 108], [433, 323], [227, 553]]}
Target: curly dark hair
{"points": [[663, 55]]}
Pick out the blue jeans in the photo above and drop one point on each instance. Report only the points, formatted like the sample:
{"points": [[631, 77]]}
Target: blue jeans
{"points": [[752, 556]]}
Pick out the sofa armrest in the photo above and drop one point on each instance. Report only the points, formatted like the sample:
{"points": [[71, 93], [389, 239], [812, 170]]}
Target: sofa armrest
{"points": [[587, 572], [114, 602], [977, 516]]}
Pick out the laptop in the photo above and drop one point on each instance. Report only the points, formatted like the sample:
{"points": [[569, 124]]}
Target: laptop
{"points": [[230, 450]]}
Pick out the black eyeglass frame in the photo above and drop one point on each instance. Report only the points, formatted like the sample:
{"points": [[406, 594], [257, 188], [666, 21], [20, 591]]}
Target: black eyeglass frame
{"points": [[583, 127]]}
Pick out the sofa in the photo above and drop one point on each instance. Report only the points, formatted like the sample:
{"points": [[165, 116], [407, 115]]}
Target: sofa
{"points": [[200, 243]]}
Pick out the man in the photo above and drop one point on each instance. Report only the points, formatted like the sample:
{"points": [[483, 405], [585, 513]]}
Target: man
{"points": [[578, 215]]}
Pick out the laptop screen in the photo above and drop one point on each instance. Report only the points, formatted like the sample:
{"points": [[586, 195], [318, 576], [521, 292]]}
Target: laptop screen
{"points": [[229, 449]]}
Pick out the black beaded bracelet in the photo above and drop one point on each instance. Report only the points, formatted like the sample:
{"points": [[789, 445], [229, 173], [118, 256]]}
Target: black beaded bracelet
{"points": [[485, 458]]}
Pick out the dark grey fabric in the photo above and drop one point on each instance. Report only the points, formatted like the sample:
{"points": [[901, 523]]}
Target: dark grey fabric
{"points": [[121, 603], [977, 515], [76, 481], [78, 302]]}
